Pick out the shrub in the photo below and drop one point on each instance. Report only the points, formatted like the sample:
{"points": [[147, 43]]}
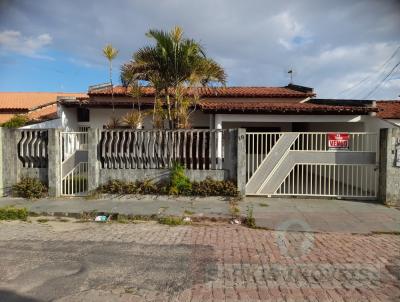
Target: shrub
{"points": [[11, 213], [16, 121], [30, 188], [250, 221], [210, 187], [146, 186], [179, 182]]}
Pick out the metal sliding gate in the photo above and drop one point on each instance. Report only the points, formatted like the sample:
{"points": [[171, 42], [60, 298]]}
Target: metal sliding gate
{"points": [[301, 163], [74, 163]]}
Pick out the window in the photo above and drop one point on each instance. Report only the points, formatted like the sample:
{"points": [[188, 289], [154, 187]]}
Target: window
{"points": [[83, 114]]}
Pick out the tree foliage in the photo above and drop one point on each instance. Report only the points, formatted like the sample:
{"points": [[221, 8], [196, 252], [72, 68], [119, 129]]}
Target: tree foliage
{"points": [[16, 121], [172, 66]]}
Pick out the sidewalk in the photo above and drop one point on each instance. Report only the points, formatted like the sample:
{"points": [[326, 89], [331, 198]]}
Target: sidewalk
{"points": [[294, 214], [323, 215], [210, 207]]}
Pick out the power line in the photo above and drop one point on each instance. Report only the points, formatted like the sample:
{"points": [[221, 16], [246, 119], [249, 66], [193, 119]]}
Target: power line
{"points": [[383, 80], [370, 75]]}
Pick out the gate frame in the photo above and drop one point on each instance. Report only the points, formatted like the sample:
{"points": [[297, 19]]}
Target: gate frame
{"points": [[64, 158]]}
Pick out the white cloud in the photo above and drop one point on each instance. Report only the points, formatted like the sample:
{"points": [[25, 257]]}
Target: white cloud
{"points": [[292, 33], [14, 41]]}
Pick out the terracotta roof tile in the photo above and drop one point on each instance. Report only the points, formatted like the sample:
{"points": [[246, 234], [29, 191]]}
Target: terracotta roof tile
{"points": [[280, 108], [4, 117], [388, 109], [48, 112], [30, 100], [218, 92]]}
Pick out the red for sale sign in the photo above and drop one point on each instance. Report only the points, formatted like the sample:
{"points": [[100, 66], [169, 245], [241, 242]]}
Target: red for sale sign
{"points": [[338, 140]]}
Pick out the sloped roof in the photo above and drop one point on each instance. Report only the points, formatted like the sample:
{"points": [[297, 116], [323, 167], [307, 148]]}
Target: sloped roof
{"points": [[281, 108], [388, 109], [210, 92], [30, 100]]}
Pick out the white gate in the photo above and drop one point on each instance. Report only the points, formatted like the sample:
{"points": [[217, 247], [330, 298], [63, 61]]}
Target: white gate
{"points": [[74, 163], [301, 163]]}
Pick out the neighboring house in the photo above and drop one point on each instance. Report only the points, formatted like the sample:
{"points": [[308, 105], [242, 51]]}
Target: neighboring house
{"points": [[389, 111], [258, 109], [40, 107]]}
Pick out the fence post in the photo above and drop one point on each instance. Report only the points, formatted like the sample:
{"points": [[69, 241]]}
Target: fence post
{"points": [[389, 172], [93, 159], [10, 164], [241, 161], [2, 163], [230, 163], [54, 162]]}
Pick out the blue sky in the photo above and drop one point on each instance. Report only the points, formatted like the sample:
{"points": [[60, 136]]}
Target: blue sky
{"points": [[54, 45], [55, 73]]}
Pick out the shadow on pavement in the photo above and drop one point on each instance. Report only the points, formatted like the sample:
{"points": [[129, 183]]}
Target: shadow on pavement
{"points": [[10, 296]]}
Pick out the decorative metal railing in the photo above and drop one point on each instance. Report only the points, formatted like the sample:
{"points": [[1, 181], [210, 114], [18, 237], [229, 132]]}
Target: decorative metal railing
{"points": [[33, 148], [158, 149]]}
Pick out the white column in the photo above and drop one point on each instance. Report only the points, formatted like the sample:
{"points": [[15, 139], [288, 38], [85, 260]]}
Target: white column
{"points": [[218, 125]]}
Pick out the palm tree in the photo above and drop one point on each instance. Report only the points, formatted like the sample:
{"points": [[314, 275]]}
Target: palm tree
{"points": [[110, 53], [174, 62]]}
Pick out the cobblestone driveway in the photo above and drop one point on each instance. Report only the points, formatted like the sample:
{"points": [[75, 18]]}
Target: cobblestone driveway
{"points": [[69, 261]]}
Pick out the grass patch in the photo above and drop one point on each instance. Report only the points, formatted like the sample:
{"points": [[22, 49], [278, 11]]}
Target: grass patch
{"points": [[263, 204], [187, 212], [43, 220], [62, 219], [397, 233], [11, 213], [172, 221]]}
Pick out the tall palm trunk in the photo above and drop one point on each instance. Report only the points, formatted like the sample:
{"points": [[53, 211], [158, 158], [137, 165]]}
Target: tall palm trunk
{"points": [[112, 89], [170, 123]]}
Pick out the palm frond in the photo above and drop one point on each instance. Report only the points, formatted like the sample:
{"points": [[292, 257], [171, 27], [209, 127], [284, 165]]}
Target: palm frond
{"points": [[110, 52]]}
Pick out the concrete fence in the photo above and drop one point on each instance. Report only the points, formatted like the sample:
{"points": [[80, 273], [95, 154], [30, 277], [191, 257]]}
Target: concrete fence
{"points": [[56, 157], [389, 173], [138, 155]]}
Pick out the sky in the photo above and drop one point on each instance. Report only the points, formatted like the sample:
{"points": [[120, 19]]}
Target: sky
{"points": [[343, 49]]}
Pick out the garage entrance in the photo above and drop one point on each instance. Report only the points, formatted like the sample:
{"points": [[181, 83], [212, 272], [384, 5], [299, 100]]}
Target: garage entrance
{"points": [[312, 164]]}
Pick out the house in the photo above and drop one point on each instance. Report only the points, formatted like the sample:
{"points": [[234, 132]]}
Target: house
{"points": [[257, 109], [292, 144], [40, 107]]}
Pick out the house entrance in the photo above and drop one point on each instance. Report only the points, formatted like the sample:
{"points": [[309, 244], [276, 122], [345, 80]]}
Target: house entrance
{"points": [[74, 163]]}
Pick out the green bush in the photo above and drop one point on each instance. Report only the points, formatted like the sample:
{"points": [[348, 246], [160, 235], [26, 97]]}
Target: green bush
{"points": [[30, 188], [210, 187], [16, 121], [179, 182], [11, 213]]}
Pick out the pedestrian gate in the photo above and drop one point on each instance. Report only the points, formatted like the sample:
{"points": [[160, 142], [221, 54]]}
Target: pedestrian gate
{"points": [[74, 163], [301, 163]]}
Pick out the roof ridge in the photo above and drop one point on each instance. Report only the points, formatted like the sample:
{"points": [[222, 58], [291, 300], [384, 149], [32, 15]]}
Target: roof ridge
{"points": [[42, 92]]}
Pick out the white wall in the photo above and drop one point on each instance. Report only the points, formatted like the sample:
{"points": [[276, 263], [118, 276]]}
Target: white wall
{"points": [[68, 118], [374, 124], [241, 120], [56, 123]]}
